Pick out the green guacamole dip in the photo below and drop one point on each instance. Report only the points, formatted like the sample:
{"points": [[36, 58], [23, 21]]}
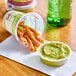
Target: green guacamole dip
{"points": [[21, 0], [17, 0], [54, 50]]}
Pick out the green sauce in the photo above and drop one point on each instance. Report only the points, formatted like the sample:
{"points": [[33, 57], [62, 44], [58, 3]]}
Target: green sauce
{"points": [[21, 0], [54, 51], [17, 0]]}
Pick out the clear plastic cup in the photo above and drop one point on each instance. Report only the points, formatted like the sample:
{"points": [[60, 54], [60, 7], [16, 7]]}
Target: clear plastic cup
{"points": [[13, 18], [54, 62], [21, 6]]}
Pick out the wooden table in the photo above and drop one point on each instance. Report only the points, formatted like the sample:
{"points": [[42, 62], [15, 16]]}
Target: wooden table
{"points": [[65, 34]]}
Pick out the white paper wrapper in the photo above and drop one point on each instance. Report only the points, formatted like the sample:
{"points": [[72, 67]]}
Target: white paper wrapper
{"points": [[10, 48]]}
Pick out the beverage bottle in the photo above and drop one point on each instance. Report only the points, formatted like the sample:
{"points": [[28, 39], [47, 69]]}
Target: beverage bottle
{"points": [[59, 12]]}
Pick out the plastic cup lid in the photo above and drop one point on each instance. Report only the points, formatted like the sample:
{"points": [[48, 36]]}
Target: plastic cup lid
{"points": [[20, 3]]}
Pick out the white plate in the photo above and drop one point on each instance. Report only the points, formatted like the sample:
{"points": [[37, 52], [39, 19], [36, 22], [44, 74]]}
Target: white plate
{"points": [[10, 48]]}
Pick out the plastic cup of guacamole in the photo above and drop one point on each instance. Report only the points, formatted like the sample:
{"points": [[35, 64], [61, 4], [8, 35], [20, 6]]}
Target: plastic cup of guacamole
{"points": [[54, 53]]}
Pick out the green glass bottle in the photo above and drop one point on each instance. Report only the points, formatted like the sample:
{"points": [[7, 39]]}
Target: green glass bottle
{"points": [[59, 12]]}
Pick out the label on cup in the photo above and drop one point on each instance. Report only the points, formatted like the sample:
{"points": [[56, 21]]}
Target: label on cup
{"points": [[12, 19]]}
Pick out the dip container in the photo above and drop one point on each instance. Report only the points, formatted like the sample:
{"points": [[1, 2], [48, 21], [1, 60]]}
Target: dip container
{"points": [[13, 18], [23, 6], [54, 62]]}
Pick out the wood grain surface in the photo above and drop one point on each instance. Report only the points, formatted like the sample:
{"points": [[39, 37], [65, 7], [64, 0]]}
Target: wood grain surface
{"points": [[65, 34]]}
